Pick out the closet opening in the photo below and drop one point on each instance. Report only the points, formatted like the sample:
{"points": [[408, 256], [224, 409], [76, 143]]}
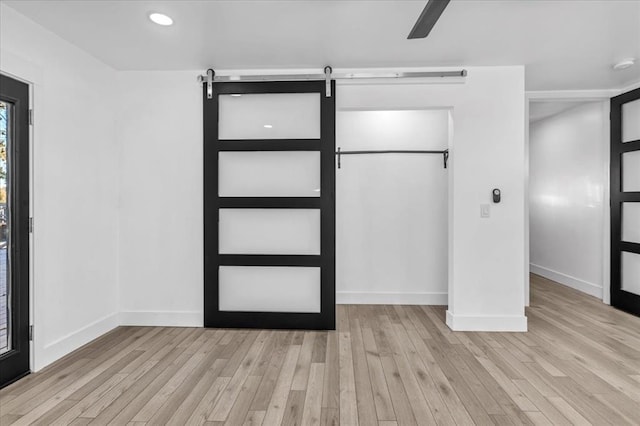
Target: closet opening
{"points": [[392, 209]]}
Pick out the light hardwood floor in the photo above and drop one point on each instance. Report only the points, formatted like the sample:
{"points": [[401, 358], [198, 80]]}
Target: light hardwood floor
{"points": [[385, 365]]}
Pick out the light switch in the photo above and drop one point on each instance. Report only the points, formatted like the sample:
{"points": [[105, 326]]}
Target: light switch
{"points": [[485, 210]]}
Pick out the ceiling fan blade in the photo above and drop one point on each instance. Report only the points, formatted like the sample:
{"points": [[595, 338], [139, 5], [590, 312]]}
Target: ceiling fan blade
{"points": [[428, 18]]}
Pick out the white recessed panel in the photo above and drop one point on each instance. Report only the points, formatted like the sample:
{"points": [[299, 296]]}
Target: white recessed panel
{"points": [[269, 289], [269, 116], [269, 174], [631, 222], [269, 231], [631, 121], [631, 171], [630, 273]]}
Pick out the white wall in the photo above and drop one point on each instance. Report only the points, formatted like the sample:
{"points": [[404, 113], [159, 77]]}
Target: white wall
{"points": [[568, 178], [161, 200], [74, 186], [486, 256], [160, 256], [392, 209]]}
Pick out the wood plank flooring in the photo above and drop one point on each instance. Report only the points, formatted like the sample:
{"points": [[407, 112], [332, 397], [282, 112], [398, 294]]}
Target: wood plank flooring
{"points": [[384, 366]]}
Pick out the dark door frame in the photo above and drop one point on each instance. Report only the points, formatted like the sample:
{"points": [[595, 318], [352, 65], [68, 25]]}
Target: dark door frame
{"points": [[621, 299], [213, 317], [15, 363]]}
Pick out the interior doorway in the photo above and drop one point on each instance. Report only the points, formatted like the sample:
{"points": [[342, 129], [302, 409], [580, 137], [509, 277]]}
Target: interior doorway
{"points": [[568, 208]]}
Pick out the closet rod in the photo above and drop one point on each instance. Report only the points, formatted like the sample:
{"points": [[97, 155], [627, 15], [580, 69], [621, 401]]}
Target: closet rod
{"points": [[445, 153]]}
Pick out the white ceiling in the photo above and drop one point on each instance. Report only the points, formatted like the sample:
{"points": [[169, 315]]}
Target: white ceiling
{"points": [[565, 44]]}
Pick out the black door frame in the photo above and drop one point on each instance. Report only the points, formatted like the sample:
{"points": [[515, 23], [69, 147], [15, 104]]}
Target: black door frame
{"points": [[213, 317], [15, 363], [621, 299]]}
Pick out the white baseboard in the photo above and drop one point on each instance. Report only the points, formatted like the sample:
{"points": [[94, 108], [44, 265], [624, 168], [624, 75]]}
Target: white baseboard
{"points": [[486, 322], [72, 341], [162, 318], [564, 279], [388, 298]]}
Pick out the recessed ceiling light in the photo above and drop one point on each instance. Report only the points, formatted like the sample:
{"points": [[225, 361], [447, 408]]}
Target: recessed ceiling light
{"points": [[236, 95], [161, 19], [268, 126], [624, 64]]}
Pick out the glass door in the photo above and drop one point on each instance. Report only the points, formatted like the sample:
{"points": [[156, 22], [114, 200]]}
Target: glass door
{"points": [[625, 201], [14, 228], [269, 213]]}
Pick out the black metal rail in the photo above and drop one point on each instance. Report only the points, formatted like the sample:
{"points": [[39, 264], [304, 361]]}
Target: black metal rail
{"points": [[444, 153]]}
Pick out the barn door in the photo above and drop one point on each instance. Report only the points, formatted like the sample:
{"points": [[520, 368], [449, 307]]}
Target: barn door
{"points": [[269, 210]]}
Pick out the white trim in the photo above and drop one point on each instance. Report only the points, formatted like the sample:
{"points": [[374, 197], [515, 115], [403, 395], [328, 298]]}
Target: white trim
{"points": [[568, 280], [162, 318], [527, 217], [390, 298], [450, 170], [502, 323], [570, 95], [72, 341], [606, 206], [631, 86]]}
